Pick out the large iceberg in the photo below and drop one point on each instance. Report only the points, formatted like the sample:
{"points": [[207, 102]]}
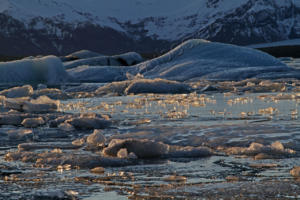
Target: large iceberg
{"points": [[47, 69], [202, 59]]}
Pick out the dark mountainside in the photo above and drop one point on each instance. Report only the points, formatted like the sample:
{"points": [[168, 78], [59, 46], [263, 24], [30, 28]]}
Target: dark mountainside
{"points": [[253, 22]]}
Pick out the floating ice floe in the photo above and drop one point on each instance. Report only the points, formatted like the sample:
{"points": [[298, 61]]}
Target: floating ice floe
{"points": [[295, 171], [127, 59], [17, 134], [16, 92], [174, 178], [45, 145], [33, 122], [57, 158], [52, 93], [53, 194], [59, 120], [43, 104], [66, 127], [260, 151], [145, 148], [156, 86], [142, 148], [14, 119], [200, 59], [14, 103], [96, 139], [98, 170], [89, 121], [47, 69], [117, 88], [92, 141], [144, 86]]}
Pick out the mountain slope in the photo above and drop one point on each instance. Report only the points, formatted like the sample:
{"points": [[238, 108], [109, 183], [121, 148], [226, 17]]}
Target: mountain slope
{"points": [[63, 26]]}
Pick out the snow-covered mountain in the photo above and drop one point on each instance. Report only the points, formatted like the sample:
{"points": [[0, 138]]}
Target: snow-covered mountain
{"points": [[114, 26]]}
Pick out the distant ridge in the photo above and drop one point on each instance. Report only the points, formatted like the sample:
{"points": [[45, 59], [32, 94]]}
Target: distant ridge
{"points": [[60, 27]]}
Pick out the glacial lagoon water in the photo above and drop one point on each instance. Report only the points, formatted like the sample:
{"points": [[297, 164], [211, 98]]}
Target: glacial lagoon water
{"points": [[217, 119], [231, 124]]}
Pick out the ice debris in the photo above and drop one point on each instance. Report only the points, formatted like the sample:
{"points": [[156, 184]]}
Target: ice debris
{"points": [[66, 127], [59, 158], [188, 152], [52, 93], [42, 104], [260, 151], [295, 171], [89, 121], [144, 86], [18, 134], [175, 178], [14, 103], [142, 148], [98, 170], [156, 86], [33, 122], [45, 145], [96, 139], [16, 92], [53, 194], [12, 119]]}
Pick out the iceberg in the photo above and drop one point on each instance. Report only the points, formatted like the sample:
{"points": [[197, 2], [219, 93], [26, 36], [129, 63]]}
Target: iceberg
{"points": [[47, 69], [201, 59]]}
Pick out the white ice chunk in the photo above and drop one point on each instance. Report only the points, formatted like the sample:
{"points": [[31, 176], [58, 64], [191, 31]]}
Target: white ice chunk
{"points": [[96, 138], [33, 122], [43, 104], [16, 92], [48, 69], [89, 122], [156, 86], [142, 148], [138, 86]]}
